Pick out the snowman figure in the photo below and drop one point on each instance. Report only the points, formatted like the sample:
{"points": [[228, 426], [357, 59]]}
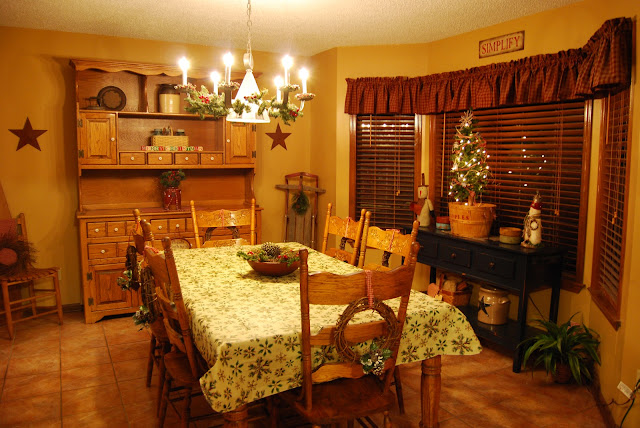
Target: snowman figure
{"points": [[427, 208], [532, 232]]}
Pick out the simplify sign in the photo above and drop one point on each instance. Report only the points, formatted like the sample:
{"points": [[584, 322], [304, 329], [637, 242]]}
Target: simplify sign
{"points": [[502, 44]]}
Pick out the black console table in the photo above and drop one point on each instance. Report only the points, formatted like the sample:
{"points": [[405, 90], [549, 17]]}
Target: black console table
{"points": [[514, 268]]}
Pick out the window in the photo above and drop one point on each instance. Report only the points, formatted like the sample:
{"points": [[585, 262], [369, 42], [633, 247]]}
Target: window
{"points": [[384, 166], [542, 148], [611, 205]]}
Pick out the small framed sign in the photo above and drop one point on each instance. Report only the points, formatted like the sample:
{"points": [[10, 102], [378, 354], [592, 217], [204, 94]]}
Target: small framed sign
{"points": [[501, 44]]}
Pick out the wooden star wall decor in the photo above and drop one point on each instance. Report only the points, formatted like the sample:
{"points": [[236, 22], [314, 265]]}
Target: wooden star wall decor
{"points": [[28, 135], [278, 137]]}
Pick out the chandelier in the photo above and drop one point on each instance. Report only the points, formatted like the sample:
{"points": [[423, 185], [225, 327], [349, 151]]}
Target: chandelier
{"points": [[250, 105]]}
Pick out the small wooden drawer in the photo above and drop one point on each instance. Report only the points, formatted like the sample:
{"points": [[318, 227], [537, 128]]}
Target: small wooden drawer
{"points": [[159, 158], [211, 158], [176, 225], [494, 265], [102, 251], [96, 230], [159, 226], [132, 158], [190, 158], [116, 228], [456, 255]]}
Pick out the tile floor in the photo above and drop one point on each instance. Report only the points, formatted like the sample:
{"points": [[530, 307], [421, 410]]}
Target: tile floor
{"points": [[93, 375]]}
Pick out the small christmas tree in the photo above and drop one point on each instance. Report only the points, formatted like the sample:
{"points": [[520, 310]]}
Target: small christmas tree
{"points": [[470, 172]]}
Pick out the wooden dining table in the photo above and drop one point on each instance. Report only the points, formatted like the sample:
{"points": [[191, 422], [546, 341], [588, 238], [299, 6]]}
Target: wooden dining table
{"points": [[247, 327]]}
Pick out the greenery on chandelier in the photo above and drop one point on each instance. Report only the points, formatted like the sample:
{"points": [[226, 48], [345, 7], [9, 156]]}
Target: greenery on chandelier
{"points": [[204, 103], [470, 172]]}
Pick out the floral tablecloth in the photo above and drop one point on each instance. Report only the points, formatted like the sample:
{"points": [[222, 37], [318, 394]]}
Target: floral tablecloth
{"points": [[247, 326]]}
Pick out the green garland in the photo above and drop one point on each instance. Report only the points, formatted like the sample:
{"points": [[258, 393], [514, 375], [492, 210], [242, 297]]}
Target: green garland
{"points": [[202, 102], [287, 256], [300, 203]]}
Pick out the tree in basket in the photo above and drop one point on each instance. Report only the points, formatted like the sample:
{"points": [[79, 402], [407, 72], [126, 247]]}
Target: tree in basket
{"points": [[469, 175], [566, 350]]}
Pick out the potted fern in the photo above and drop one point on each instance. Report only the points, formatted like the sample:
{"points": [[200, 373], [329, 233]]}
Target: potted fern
{"points": [[566, 350]]}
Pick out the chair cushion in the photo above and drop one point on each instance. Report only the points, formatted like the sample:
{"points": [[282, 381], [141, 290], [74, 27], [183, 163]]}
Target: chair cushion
{"points": [[342, 399]]}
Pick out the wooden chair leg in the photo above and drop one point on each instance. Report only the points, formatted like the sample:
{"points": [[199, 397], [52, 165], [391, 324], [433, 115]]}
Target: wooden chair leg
{"points": [[387, 419], [398, 383], [161, 374], [151, 359], [32, 293], [350, 423], [56, 285], [165, 401], [186, 410], [7, 308]]}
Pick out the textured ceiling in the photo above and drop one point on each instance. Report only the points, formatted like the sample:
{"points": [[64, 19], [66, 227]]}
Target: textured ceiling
{"points": [[299, 27]]}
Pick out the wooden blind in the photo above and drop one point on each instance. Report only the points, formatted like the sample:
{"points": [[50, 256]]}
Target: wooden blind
{"points": [[385, 161], [532, 148], [611, 205]]}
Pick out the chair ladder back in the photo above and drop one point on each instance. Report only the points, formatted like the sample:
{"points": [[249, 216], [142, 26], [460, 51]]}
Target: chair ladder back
{"points": [[331, 289], [212, 219], [389, 241], [170, 319], [142, 233], [344, 230]]}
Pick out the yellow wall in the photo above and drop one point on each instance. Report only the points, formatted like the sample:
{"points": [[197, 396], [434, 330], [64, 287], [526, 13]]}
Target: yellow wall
{"points": [[39, 83], [548, 32]]}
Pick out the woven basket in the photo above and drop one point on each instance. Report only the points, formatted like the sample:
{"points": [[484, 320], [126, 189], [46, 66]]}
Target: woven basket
{"points": [[169, 140], [471, 221], [456, 298]]}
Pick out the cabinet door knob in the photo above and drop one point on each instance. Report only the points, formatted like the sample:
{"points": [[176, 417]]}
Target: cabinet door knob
{"points": [[159, 227], [103, 251], [96, 230], [115, 229], [186, 158], [492, 265], [113, 139], [133, 158], [454, 255], [228, 140]]}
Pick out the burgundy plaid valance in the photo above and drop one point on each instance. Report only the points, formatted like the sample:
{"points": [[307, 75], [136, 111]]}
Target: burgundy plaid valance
{"points": [[602, 66]]}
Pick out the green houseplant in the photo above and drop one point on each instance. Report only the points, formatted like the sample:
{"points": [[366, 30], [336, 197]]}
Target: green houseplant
{"points": [[565, 349]]}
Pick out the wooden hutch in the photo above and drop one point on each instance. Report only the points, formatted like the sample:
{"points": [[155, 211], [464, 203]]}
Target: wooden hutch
{"points": [[117, 174]]}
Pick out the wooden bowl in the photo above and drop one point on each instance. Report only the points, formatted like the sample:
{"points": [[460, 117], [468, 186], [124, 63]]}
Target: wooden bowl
{"points": [[273, 268]]}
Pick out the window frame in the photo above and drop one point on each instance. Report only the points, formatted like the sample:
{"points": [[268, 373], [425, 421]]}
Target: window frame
{"points": [[417, 167], [610, 305]]}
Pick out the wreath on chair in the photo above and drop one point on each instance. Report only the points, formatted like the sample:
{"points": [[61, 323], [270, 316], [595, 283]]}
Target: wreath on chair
{"points": [[15, 255], [130, 279]]}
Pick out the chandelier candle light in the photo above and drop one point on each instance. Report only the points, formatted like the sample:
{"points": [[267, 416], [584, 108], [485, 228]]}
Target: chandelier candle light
{"points": [[250, 104]]}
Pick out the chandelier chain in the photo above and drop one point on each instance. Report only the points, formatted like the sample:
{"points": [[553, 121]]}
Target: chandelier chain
{"points": [[249, 26]]}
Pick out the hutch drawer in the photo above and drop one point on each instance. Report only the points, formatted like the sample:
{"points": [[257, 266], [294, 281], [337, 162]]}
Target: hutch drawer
{"points": [[186, 158], [132, 158], [211, 158], [159, 158], [102, 251], [96, 230]]}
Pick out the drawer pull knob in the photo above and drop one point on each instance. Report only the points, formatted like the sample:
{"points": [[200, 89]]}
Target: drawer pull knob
{"points": [[159, 157], [159, 227], [186, 158], [454, 255], [492, 265], [133, 158], [103, 251], [115, 229], [96, 230], [211, 158], [177, 226]]}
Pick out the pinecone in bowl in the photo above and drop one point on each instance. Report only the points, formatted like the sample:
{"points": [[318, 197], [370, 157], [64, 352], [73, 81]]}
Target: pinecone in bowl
{"points": [[271, 249]]}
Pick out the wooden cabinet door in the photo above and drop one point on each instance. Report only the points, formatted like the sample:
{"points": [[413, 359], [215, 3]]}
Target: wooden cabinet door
{"points": [[97, 133], [105, 291], [240, 143]]}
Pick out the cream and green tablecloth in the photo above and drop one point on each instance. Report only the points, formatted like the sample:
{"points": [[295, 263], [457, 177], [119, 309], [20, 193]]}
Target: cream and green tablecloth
{"points": [[247, 326]]}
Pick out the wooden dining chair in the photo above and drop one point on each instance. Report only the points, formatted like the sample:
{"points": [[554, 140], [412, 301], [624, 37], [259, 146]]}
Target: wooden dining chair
{"points": [[390, 241], [347, 230], [334, 392], [232, 220], [159, 344], [183, 364], [18, 273]]}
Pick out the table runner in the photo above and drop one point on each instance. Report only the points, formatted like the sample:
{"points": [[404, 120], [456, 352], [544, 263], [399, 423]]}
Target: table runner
{"points": [[247, 326]]}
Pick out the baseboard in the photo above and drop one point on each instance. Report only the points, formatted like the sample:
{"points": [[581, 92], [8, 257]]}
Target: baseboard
{"points": [[72, 307]]}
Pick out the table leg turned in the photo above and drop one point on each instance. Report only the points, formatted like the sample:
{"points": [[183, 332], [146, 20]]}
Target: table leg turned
{"points": [[238, 418], [430, 392]]}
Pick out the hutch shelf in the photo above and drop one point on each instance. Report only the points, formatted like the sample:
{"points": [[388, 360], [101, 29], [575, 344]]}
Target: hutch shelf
{"points": [[117, 173]]}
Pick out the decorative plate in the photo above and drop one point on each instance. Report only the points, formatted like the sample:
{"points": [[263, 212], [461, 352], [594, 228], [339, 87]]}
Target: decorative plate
{"points": [[112, 98], [273, 268]]}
